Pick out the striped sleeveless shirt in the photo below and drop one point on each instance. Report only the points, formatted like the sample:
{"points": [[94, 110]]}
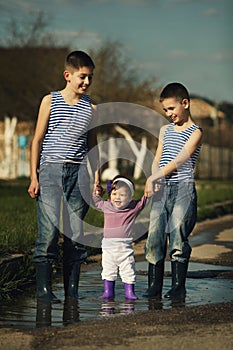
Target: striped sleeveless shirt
{"points": [[66, 136], [172, 144]]}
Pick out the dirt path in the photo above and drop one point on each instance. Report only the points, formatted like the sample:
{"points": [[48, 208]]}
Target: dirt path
{"points": [[205, 327]]}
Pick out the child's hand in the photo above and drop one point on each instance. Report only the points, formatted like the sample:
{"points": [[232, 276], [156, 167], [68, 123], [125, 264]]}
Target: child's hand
{"points": [[151, 187], [99, 191], [157, 187]]}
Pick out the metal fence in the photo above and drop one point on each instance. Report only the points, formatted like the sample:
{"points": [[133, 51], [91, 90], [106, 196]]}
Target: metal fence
{"points": [[215, 163]]}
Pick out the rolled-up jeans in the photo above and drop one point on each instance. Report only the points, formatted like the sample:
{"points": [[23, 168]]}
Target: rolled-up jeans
{"points": [[173, 216], [62, 204]]}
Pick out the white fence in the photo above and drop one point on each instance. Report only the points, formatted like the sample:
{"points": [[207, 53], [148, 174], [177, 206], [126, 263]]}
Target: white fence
{"points": [[214, 162], [14, 162]]}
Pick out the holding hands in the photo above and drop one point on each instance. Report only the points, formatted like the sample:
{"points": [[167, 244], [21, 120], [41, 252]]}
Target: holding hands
{"points": [[98, 190], [151, 187]]}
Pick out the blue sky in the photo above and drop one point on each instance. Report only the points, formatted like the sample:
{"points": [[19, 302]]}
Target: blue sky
{"points": [[190, 41]]}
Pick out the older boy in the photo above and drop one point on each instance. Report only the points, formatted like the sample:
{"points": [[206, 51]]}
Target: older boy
{"points": [[59, 177]]}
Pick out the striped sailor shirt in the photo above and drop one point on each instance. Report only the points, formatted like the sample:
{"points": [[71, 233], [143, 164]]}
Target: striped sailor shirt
{"points": [[173, 143], [66, 136]]}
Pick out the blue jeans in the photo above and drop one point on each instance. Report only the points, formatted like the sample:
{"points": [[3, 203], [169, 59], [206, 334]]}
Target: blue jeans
{"points": [[62, 204], [173, 215]]}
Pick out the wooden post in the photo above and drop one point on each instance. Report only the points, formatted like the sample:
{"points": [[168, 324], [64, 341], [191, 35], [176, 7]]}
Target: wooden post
{"points": [[8, 166]]}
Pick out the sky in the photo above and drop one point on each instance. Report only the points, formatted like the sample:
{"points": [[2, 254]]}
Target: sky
{"points": [[189, 41]]}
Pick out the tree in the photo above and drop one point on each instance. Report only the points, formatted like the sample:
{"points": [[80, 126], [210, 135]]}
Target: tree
{"points": [[139, 152], [33, 73], [115, 79], [111, 157], [29, 33]]}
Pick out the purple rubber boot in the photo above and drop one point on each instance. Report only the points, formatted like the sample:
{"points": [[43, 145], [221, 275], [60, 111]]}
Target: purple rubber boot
{"points": [[129, 291], [109, 289]]}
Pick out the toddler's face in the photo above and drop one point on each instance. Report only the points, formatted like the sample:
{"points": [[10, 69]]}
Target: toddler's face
{"points": [[120, 197]]}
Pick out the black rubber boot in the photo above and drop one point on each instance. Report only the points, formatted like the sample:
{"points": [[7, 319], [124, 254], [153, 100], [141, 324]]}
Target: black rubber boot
{"points": [[179, 273], [71, 273], [155, 280], [44, 283]]}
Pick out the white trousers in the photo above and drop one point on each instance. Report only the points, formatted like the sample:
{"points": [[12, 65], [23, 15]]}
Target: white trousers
{"points": [[118, 255]]}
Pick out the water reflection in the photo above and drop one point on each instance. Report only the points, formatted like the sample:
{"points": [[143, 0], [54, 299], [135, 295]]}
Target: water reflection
{"points": [[154, 304], [27, 312], [43, 314], [129, 307], [71, 312], [110, 307], [178, 304]]}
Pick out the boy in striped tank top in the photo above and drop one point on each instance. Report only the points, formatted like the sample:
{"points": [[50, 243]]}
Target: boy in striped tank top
{"points": [[59, 176], [174, 204]]}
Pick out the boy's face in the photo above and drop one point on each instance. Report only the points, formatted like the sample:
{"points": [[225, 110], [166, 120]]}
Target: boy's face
{"points": [[175, 110], [79, 79], [120, 197]]}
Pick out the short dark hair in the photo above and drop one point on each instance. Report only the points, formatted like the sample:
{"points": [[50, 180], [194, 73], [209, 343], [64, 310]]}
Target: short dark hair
{"points": [[78, 59], [176, 90]]}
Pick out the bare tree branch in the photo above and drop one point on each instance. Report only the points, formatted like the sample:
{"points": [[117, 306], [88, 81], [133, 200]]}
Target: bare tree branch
{"points": [[29, 33]]}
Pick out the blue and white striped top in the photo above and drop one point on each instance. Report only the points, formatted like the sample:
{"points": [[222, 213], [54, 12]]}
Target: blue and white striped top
{"points": [[173, 143], [66, 136]]}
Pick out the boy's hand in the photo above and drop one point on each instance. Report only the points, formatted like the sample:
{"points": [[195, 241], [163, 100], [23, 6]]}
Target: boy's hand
{"points": [[149, 191], [33, 189]]}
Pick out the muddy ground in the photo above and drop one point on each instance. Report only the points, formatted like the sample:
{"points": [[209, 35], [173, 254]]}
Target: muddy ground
{"points": [[202, 327]]}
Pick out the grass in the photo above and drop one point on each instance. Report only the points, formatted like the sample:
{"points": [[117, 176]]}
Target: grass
{"points": [[18, 211], [15, 275], [18, 230], [18, 217], [215, 198], [210, 192]]}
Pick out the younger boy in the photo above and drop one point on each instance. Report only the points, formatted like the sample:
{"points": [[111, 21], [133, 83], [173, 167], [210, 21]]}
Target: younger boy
{"points": [[174, 205]]}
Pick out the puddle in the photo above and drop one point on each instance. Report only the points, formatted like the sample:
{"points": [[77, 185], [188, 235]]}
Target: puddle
{"points": [[26, 312]]}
